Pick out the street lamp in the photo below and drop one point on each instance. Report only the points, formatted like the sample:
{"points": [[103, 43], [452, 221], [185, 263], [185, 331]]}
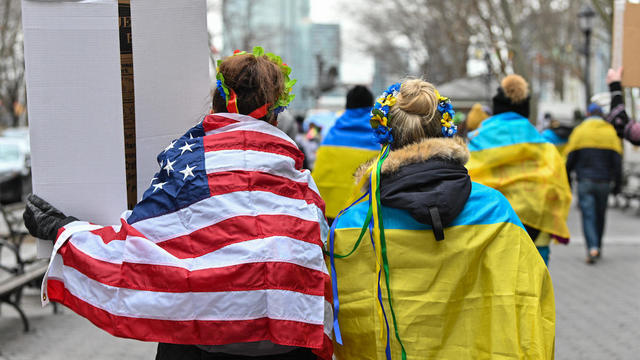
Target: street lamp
{"points": [[585, 16]]}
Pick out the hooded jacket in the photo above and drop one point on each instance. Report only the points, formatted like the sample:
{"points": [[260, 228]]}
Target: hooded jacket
{"points": [[481, 292], [349, 143]]}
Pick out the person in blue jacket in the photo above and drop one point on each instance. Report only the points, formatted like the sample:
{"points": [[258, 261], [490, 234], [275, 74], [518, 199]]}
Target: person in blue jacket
{"points": [[348, 144]]}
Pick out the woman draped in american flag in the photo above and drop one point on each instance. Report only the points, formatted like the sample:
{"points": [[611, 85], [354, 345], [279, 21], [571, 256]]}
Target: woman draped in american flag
{"points": [[223, 256]]}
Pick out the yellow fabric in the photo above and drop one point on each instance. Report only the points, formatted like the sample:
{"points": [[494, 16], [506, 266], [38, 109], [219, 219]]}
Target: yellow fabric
{"points": [[543, 239], [594, 133], [333, 173], [482, 293], [561, 149], [533, 177], [475, 117]]}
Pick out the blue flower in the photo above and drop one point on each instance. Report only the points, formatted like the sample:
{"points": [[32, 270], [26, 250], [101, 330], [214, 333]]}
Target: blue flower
{"points": [[221, 89], [449, 131], [383, 135]]}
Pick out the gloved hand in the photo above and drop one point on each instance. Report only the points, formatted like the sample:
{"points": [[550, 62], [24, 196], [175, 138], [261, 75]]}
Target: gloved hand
{"points": [[42, 219]]}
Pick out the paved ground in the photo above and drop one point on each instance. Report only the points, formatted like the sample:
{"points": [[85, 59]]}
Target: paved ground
{"points": [[598, 308]]}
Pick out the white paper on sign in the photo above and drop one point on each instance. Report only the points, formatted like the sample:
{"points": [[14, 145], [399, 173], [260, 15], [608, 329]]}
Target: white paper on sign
{"points": [[72, 60], [171, 72]]}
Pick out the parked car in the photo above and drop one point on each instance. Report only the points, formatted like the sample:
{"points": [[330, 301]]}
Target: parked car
{"points": [[14, 156], [15, 169]]}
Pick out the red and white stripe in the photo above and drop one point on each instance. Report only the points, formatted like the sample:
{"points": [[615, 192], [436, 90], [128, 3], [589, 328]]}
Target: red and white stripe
{"points": [[245, 264]]}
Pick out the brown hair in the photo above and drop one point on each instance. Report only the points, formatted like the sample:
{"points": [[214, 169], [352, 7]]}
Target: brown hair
{"points": [[255, 80], [415, 115]]}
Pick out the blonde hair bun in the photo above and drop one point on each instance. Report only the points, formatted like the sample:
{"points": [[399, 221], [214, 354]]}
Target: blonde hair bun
{"points": [[516, 88], [413, 117], [417, 97]]}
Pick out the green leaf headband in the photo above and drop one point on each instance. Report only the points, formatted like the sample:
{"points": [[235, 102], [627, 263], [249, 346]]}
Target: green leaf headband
{"points": [[283, 100]]}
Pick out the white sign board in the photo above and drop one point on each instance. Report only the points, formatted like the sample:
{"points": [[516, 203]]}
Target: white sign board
{"points": [[171, 71], [72, 58]]}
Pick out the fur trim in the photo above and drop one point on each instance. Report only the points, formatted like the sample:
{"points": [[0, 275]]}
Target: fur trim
{"points": [[515, 87], [450, 149]]}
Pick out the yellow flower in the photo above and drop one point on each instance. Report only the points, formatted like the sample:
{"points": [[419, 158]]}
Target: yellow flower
{"points": [[391, 100], [383, 122]]}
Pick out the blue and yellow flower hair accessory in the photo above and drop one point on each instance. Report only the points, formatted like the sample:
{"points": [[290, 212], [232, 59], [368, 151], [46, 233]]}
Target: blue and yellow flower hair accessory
{"points": [[446, 111], [281, 103], [380, 114]]}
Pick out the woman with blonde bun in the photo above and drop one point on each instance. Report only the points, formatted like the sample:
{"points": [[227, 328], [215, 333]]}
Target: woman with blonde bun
{"points": [[427, 264], [509, 155]]}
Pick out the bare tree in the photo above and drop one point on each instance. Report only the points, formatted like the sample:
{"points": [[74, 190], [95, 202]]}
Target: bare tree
{"points": [[420, 34], [12, 90], [538, 39], [244, 26], [604, 9]]}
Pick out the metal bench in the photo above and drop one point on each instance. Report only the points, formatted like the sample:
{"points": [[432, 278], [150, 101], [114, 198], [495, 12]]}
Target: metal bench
{"points": [[631, 186], [12, 240], [19, 272], [11, 287]]}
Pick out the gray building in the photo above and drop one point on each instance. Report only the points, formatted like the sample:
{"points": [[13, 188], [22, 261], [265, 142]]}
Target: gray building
{"points": [[284, 28], [325, 52]]}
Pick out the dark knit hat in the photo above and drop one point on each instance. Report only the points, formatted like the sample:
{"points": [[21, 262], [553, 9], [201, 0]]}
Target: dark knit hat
{"points": [[359, 97], [513, 95]]}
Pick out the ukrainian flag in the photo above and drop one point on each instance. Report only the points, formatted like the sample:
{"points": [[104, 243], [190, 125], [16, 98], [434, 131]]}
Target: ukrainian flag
{"points": [[481, 293], [509, 155], [594, 133], [556, 140], [349, 143]]}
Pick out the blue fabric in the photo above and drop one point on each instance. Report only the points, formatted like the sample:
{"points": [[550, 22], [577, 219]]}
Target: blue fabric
{"points": [[485, 206], [179, 191], [503, 130], [544, 252], [353, 129], [553, 138], [592, 198]]}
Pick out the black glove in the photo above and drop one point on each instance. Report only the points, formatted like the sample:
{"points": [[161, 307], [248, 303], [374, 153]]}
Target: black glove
{"points": [[42, 219]]}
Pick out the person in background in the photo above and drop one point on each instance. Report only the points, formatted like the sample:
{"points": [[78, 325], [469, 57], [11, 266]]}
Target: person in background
{"points": [[476, 116], [557, 134], [509, 155], [626, 128], [447, 268], [594, 154], [348, 144], [223, 256]]}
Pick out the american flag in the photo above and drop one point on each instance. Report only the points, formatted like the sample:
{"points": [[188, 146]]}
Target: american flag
{"points": [[224, 247]]}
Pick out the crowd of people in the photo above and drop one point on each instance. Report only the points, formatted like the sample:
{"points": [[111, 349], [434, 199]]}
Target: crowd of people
{"points": [[409, 240]]}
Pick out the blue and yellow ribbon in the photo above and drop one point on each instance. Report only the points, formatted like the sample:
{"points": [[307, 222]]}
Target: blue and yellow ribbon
{"points": [[374, 223]]}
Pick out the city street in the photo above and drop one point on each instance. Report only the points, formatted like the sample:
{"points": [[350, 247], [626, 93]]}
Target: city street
{"points": [[597, 307]]}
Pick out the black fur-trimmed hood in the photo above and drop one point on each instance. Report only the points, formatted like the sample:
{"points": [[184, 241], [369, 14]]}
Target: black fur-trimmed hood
{"points": [[428, 179]]}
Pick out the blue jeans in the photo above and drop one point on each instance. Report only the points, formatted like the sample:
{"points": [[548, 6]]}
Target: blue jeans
{"points": [[592, 197]]}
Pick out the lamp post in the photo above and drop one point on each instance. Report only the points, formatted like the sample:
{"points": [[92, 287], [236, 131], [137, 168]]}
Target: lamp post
{"points": [[585, 16]]}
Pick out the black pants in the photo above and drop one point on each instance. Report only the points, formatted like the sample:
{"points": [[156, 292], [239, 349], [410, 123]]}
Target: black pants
{"points": [[533, 233], [192, 352]]}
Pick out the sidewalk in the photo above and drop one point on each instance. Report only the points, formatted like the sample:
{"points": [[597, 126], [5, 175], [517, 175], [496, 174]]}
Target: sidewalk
{"points": [[598, 306]]}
